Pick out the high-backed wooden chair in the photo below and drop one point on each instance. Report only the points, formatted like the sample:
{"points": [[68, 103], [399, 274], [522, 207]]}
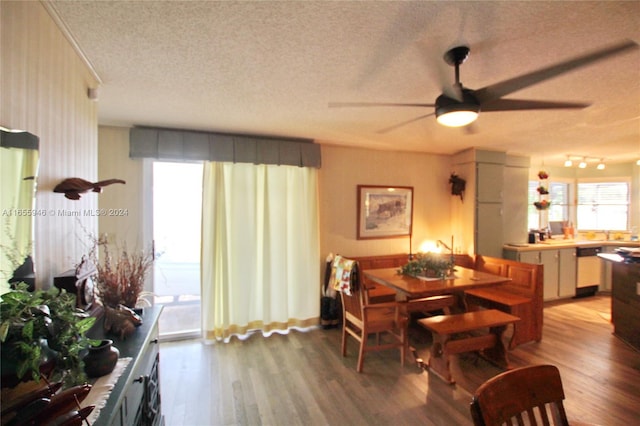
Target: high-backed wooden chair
{"points": [[530, 395], [360, 320]]}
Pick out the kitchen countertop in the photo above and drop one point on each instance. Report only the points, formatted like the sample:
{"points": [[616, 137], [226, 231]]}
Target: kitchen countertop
{"points": [[558, 244]]}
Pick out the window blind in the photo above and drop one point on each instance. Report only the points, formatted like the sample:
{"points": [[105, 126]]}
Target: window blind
{"points": [[603, 205], [184, 145]]}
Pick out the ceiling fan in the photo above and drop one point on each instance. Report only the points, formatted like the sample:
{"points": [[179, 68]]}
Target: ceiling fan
{"points": [[459, 106]]}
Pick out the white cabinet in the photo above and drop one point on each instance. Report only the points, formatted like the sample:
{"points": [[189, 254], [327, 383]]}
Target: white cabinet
{"points": [[489, 229], [496, 210], [567, 270], [559, 269], [551, 261], [490, 178]]}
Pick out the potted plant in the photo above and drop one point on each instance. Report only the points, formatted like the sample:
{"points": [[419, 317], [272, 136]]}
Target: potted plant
{"points": [[120, 279], [542, 205], [428, 265], [43, 333]]}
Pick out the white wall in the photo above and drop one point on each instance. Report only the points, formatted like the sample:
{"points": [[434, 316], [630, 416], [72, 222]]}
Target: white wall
{"points": [[43, 88]]}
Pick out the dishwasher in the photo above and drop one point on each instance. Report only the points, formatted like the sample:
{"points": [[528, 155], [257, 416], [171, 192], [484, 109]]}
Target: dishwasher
{"points": [[589, 271]]}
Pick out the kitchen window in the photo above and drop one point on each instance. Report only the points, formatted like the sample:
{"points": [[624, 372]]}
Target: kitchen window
{"points": [[603, 205], [559, 195]]}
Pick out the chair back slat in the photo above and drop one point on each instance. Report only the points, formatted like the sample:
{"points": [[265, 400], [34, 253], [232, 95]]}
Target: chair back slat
{"points": [[515, 394]]}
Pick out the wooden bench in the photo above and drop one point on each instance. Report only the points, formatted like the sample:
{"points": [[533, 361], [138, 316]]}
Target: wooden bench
{"points": [[522, 296], [451, 336]]}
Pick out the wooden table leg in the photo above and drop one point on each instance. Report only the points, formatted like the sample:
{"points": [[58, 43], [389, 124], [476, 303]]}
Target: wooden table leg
{"points": [[439, 358], [497, 354]]}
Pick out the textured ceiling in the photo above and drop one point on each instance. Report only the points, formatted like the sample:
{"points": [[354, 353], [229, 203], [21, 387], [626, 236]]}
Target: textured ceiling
{"points": [[272, 68]]}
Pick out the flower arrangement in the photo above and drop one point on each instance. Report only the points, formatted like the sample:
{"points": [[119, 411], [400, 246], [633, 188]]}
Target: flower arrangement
{"points": [[427, 264], [120, 276]]}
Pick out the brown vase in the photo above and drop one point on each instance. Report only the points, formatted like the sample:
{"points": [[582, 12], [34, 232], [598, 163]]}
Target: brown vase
{"points": [[101, 359]]}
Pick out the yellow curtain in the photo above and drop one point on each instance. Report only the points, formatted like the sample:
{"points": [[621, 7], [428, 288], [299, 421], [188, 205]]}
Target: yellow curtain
{"points": [[260, 249]]}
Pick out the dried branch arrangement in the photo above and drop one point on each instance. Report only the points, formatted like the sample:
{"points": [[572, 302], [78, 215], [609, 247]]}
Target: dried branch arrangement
{"points": [[121, 274]]}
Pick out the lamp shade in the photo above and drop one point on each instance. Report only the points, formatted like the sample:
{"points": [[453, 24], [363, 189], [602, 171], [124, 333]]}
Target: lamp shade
{"points": [[454, 113]]}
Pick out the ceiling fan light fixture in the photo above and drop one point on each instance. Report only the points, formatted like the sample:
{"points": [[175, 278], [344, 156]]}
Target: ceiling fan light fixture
{"points": [[457, 118], [453, 113]]}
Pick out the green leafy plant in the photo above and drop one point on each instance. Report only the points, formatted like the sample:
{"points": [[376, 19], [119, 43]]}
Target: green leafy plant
{"points": [[428, 264], [31, 318]]}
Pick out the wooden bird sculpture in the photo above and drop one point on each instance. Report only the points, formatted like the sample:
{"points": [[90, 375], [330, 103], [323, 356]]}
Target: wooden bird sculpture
{"points": [[73, 187]]}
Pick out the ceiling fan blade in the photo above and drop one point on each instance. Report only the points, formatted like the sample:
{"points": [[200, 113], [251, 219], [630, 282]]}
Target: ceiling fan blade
{"points": [[524, 104], [506, 87], [404, 123], [376, 104]]}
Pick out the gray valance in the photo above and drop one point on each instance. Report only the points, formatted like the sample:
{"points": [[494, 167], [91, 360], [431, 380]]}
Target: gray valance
{"points": [[184, 145], [24, 140]]}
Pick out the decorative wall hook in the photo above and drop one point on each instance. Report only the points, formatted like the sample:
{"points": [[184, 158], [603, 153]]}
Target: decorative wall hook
{"points": [[73, 187], [457, 185]]}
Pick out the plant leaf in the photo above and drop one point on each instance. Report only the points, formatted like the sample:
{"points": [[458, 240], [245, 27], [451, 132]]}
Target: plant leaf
{"points": [[27, 330], [4, 330], [85, 324]]}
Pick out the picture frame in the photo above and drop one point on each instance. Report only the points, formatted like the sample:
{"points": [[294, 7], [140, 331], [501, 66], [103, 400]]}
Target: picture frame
{"points": [[384, 211]]}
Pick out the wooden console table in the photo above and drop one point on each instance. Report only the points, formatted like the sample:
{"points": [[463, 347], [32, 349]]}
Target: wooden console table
{"points": [[135, 398]]}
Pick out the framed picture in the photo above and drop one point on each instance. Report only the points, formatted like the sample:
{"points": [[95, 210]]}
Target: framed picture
{"points": [[384, 211]]}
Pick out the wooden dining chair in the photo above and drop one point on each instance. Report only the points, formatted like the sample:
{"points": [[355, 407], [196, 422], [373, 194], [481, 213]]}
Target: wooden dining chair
{"points": [[361, 320], [530, 395]]}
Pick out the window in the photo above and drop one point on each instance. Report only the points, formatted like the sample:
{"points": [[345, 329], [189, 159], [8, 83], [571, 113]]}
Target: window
{"points": [[559, 196], [603, 205], [177, 212]]}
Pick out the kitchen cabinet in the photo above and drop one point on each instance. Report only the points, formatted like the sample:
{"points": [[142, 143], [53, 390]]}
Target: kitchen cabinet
{"points": [[490, 178], [496, 183], [559, 269], [567, 270]]}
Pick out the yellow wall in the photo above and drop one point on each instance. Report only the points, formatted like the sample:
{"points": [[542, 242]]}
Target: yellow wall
{"points": [[43, 90], [126, 202], [345, 168]]}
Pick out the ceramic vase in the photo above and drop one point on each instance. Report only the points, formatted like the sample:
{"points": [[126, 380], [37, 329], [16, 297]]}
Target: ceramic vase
{"points": [[101, 359]]}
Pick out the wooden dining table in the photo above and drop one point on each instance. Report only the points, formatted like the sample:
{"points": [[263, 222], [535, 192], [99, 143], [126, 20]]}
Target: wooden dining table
{"points": [[408, 287]]}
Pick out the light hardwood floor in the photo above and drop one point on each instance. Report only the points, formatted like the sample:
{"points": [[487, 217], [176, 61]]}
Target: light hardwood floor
{"points": [[301, 378]]}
